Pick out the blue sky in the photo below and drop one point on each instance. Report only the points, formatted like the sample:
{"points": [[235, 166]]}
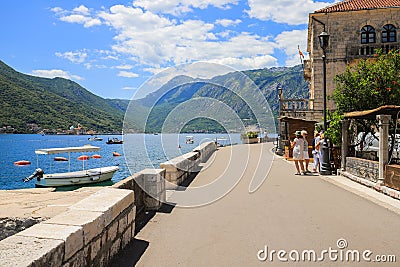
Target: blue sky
{"points": [[112, 47]]}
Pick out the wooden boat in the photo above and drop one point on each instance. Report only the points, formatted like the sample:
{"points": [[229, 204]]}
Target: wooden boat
{"points": [[114, 141], [88, 176]]}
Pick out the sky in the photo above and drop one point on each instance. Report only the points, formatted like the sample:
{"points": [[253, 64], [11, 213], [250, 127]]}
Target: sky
{"points": [[113, 47]]}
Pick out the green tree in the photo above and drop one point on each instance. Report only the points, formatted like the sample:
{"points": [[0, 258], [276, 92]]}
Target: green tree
{"points": [[368, 85]]}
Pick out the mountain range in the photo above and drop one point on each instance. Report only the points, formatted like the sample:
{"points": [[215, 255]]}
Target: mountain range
{"points": [[32, 104]]}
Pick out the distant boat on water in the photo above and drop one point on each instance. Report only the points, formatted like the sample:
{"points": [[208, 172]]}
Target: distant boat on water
{"points": [[114, 141], [95, 138], [189, 139]]}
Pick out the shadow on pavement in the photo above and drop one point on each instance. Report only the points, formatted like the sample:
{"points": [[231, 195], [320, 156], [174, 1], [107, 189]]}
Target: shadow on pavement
{"points": [[131, 254]]}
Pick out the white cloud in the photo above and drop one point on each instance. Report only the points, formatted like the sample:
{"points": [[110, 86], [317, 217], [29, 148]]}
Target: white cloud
{"points": [[82, 10], [228, 22], [256, 62], [124, 67], [156, 41], [128, 74], [80, 15], [289, 42], [129, 88], [75, 57], [81, 19], [177, 7], [56, 73], [292, 12]]}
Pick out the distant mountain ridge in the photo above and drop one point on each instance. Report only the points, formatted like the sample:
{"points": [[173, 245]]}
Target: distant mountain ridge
{"points": [[56, 104], [184, 88]]}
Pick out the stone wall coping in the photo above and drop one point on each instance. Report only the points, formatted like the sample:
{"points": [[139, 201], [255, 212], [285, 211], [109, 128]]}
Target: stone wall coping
{"points": [[71, 235], [109, 200], [20, 250]]}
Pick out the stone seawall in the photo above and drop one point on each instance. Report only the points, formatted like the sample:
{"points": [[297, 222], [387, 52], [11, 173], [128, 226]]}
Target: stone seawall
{"points": [[180, 168], [92, 231], [89, 233], [11, 226]]}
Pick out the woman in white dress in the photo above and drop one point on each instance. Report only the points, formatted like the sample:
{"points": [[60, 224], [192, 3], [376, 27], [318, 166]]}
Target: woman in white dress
{"points": [[298, 148]]}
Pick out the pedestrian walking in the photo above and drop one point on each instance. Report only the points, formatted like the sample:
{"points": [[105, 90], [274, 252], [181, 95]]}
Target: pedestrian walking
{"points": [[306, 156], [298, 152], [315, 152], [318, 146]]}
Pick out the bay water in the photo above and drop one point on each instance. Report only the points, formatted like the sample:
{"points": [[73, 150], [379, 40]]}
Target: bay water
{"points": [[139, 151]]}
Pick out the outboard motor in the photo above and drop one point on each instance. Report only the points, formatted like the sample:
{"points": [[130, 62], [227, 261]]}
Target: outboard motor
{"points": [[37, 174]]}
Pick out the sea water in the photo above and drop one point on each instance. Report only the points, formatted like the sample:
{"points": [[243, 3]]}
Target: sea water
{"points": [[139, 151]]}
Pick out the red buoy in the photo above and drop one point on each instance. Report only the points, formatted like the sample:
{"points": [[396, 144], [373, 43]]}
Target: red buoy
{"points": [[22, 163], [60, 159], [83, 157]]}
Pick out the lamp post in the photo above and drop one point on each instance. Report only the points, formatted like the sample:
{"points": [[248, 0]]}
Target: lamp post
{"points": [[279, 148], [325, 165]]}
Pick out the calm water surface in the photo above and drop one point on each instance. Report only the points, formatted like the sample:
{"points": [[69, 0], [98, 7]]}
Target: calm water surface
{"points": [[142, 151]]}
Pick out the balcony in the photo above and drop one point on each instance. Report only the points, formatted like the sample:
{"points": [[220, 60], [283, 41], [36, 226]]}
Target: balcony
{"points": [[296, 108], [363, 51]]}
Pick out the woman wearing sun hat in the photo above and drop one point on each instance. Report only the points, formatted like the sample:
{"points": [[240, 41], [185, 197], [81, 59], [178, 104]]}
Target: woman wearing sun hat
{"points": [[298, 148], [306, 157]]}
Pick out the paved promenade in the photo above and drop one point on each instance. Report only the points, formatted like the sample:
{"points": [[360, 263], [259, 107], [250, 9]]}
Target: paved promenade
{"points": [[288, 212]]}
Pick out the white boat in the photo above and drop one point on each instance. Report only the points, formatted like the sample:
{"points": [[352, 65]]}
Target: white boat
{"points": [[189, 139], [95, 138], [71, 178]]}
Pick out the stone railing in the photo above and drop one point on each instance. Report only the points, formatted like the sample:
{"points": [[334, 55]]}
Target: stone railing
{"points": [[369, 50], [149, 188], [296, 104], [89, 233], [180, 168]]}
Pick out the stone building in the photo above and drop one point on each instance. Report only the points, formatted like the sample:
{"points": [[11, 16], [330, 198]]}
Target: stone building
{"points": [[356, 28]]}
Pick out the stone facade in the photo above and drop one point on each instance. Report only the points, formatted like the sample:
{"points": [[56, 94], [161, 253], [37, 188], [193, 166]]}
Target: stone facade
{"points": [[345, 47], [367, 169]]}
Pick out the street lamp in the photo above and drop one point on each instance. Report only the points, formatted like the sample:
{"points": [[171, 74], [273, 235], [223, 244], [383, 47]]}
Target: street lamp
{"points": [[279, 148], [325, 165]]}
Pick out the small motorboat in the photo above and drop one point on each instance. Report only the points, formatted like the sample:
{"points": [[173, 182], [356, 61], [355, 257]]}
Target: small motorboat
{"points": [[114, 141], [22, 163], [116, 154], [60, 159], [96, 156], [85, 176], [189, 139], [95, 138]]}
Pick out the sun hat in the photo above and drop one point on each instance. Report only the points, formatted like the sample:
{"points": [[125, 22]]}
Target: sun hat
{"points": [[304, 132], [297, 133]]}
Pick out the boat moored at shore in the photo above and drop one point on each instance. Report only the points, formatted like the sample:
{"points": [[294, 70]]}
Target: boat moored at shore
{"points": [[83, 176]]}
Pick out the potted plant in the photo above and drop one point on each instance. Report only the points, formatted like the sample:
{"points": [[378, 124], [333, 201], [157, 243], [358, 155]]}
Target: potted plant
{"points": [[250, 137]]}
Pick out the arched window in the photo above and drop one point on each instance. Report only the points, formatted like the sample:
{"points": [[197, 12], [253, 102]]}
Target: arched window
{"points": [[389, 33], [367, 34]]}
